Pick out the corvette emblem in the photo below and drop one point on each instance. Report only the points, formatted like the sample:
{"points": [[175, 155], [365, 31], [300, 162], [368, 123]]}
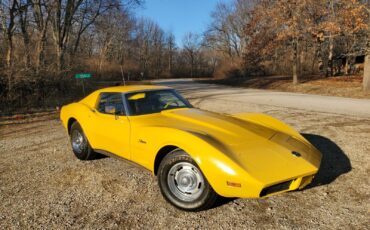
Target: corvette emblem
{"points": [[142, 141]]}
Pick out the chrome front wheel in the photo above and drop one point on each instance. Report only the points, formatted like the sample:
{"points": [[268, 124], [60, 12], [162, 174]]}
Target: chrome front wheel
{"points": [[185, 181], [183, 184]]}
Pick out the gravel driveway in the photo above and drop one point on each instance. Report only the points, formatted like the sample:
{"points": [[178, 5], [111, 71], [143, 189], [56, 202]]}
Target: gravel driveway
{"points": [[42, 185]]}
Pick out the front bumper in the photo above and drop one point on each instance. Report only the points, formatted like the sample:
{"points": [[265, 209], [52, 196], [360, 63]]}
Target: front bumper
{"points": [[298, 183]]}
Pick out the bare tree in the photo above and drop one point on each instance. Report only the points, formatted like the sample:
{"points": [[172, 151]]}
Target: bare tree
{"points": [[171, 47], [191, 44], [41, 16], [366, 80], [23, 12], [87, 15], [62, 15], [8, 16], [45, 42], [226, 31]]}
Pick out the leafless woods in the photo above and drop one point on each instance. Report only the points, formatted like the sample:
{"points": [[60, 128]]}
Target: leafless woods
{"points": [[43, 43]]}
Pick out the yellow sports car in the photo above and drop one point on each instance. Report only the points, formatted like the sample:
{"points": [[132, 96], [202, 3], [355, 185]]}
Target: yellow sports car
{"points": [[196, 155]]}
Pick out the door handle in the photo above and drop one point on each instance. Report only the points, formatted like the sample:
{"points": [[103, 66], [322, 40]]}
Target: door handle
{"points": [[93, 110]]}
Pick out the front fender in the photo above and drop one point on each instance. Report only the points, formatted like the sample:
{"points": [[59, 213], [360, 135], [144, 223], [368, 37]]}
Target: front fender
{"points": [[209, 153]]}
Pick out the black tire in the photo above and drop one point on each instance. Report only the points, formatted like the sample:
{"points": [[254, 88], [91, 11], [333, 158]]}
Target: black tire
{"points": [[83, 151], [203, 196]]}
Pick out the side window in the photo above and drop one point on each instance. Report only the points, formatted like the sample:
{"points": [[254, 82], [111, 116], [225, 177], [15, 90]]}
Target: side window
{"points": [[111, 103]]}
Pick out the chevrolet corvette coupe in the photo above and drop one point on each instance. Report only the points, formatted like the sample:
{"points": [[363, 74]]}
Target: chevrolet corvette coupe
{"points": [[197, 155]]}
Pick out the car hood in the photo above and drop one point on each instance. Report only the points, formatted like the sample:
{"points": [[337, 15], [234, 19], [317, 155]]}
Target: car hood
{"points": [[232, 130], [263, 152]]}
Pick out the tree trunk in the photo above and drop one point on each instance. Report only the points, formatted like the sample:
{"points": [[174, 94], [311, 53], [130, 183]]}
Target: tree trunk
{"points": [[59, 57], [8, 33], [100, 64], [42, 21], [170, 63], [40, 45], [275, 61], [27, 57], [314, 59], [26, 38], [366, 80], [9, 53], [346, 66], [9, 63], [295, 62], [191, 69], [329, 68], [191, 66], [26, 42], [301, 58], [329, 71]]}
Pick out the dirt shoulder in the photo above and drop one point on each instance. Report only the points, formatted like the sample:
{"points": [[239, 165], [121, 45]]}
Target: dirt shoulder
{"points": [[343, 86], [42, 185]]}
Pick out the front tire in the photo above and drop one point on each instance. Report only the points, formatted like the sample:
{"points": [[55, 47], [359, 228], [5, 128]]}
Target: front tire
{"points": [[80, 145], [183, 184]]}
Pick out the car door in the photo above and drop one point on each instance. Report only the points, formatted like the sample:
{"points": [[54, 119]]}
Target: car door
{"points": [[112, 127]]}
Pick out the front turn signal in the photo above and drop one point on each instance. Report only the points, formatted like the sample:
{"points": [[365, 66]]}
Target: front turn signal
{"points": [[233, 184]]}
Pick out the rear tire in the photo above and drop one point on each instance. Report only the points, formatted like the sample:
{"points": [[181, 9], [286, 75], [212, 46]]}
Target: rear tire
{"points": [[80, 145], [183, 184]]}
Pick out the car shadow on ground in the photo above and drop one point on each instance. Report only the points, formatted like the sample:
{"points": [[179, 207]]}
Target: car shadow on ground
{"points": [[100, 156], [334, 161], [221, 201]]}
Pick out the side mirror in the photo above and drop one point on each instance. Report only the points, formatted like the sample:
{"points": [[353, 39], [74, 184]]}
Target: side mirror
{"points": [[110, 109]]}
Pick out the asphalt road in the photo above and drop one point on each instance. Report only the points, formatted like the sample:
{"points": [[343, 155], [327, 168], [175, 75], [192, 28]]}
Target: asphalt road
{"points": [[308, 102]]}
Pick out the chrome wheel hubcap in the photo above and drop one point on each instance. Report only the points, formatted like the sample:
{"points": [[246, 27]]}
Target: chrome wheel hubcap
{"points": [[78, 141], [185, 181]]}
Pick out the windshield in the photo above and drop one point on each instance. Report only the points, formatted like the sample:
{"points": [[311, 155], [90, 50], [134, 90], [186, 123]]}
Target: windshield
{"points": [[147, 102]]}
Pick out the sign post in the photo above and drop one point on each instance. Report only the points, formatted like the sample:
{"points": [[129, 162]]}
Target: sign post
{"points": [[83, 76]]}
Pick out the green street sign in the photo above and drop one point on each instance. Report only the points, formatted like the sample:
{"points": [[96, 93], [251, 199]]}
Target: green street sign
{"points": [[82, 75]]}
